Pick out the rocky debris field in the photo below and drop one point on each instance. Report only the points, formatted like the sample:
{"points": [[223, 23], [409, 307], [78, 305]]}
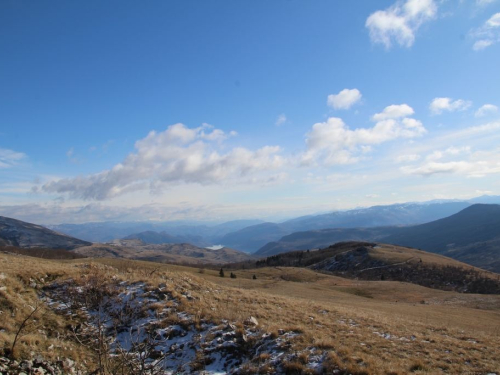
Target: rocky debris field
{"points": [[38, 366]]}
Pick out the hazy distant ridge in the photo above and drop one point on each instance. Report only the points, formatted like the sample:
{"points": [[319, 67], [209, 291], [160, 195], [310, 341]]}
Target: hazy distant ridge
{"points": [[471, 236]]}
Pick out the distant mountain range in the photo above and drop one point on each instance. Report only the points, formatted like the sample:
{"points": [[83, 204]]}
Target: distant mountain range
{"points": [[30, 239], [251, 235], [471, 236], [461, 230], [201, 235], [252, 238], [26, 235]]}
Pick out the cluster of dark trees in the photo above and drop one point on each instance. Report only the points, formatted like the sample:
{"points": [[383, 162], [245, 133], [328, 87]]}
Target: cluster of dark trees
{"points": [[308, 258], [232, 275]]}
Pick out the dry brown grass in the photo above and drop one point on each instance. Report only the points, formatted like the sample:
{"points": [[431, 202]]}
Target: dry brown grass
{"points": [[394, 254], [392, 332], [450, 332], [20, 279]]}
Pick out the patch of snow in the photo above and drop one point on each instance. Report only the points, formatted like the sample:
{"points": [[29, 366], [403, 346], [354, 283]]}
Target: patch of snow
{"points": [[144, 322]]}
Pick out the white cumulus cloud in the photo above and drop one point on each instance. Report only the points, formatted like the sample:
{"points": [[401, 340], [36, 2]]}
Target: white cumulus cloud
{"points": [[439, 105], [486, 110], [494, 21], [400, 22], [344, 99], [394, 111], [333, 142], [488, 34], [177, 155]]}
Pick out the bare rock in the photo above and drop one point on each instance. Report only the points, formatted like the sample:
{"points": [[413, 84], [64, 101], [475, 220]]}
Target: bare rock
{"points": [[251, 321]]}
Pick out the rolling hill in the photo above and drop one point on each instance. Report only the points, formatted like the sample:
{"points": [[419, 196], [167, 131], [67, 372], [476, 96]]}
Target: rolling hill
{"points": [[152, 237], [376, 261], [26, 235], [183, 253], [472, 236]]}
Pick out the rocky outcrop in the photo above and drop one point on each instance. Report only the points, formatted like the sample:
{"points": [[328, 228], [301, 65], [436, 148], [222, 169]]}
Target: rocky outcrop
{"points": [[39, 366]]}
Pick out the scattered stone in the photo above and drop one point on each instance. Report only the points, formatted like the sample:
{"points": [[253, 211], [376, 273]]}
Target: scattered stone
{"points": [[36, 366], [68, 363], [251, 321]]}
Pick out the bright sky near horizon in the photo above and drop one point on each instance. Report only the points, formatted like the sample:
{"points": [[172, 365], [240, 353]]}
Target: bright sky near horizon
{"points": [[219, 110]]}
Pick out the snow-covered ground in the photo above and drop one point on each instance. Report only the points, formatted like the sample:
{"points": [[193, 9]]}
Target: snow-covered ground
{"points": [[143, 327]]}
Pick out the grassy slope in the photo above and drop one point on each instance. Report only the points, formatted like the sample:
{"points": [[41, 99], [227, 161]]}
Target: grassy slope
{"points": [[397, 263], [385, 252], [448, 332]]}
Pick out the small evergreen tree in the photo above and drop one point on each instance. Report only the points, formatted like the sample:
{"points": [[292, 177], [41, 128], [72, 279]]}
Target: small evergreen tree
{"points": [[254, 277], [233, 276], [221, 273]]}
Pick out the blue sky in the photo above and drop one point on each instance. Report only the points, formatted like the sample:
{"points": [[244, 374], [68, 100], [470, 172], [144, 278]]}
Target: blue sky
{"points": [[215, 110]]}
